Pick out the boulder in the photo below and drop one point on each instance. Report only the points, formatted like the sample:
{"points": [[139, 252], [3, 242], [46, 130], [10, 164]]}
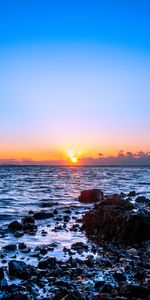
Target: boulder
{"points": [[114, 219], [42, 215], [10, 247], [18, 269], [15, 226], [28, 220], [1, 273], [90, 196]]}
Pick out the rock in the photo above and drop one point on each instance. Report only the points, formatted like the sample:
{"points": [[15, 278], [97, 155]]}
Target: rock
{"points": [[127, 225], [28, 220], [79, 246], [3, 282], [142, 199], [22, 246], [119, 276], [90, 196], [30, 227], [47, 263], [42, 215], [132, 251], [11, 247], [18, 234], [73, 296], [132, 194], [66, 219], [1, 273], [18, 269], [15, 226]]}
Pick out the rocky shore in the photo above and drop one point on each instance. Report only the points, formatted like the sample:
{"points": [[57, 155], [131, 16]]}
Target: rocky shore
{"points": [[111, 263]]}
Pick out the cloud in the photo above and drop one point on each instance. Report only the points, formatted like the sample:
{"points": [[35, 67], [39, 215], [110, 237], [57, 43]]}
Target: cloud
{"points": [[125, 159]]}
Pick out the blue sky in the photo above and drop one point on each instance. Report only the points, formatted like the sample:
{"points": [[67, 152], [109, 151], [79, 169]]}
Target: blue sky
{"points": [[74, 75]]}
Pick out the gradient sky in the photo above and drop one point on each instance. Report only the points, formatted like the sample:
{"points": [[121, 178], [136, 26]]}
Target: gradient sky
{"points": [[75, 75]]}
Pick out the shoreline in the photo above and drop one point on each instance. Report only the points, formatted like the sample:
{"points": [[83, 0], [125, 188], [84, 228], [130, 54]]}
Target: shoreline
{"points": [[86, 271]]}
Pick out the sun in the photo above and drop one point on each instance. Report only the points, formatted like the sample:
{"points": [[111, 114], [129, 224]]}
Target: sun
{"points": [[72, 157]]}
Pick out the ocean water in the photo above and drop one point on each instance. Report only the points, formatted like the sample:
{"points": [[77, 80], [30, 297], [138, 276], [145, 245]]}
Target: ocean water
{"points": [[24, 188]]}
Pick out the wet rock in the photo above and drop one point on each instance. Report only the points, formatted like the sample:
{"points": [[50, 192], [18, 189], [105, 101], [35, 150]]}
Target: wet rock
{"points": [[132, 194], [42, 215], [119, 276], [18, 269], [14, 292], [15, 226], [79, 247], [18, 234], [132, 251], [22, 246], [66, 219], [73, 296], [11, 247], [127, 225], [99, 282], [90, 196], [1, 273], [142, 199], [30, 227], [28, 220], [3, 282], [134, 291], [47, 263]]}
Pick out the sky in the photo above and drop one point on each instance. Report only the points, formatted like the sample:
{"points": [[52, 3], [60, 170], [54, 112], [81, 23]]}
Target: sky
{"points": [[74, 77]]}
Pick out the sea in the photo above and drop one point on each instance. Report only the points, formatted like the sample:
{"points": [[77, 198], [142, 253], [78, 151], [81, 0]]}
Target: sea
{"points": [[35, 188]]}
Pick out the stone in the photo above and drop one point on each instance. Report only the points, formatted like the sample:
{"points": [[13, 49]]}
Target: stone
{"points": [[11, 247], [42, 215], [28, 220], [3, 282], [126, 226], [1, 273], [15, 226], [132, 194], [79, 246], [18, 269], [90, 196]]}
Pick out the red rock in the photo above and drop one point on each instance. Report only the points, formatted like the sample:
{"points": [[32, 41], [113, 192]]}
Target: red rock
{"points": [[90, 196]]}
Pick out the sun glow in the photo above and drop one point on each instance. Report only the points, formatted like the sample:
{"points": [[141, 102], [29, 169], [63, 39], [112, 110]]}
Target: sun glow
{"points": [[72, 157]]}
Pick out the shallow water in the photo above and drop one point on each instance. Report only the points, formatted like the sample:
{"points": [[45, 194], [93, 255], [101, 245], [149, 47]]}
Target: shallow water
{"points": [[24, 188]]}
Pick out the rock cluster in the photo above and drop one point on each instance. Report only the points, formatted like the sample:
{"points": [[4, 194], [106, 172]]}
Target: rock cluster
{"points": [[116, 219]]}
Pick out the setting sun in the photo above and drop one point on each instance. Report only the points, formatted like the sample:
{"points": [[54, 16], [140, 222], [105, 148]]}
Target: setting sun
{"points": [[72, 157]]}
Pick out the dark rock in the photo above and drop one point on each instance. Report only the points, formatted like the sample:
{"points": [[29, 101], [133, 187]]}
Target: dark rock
{"points": [[18, 269], [66, 218], [79, 247], [11, 247], [18, 234], [74, 296], [90, 196], [47, 263], [15, 226], [126, 225], [3, 282], [142, 199], [28, 220], [42, 215], [30, 227], [1, 273], [132, 194], [119, 276], [22, 246], [133, 291]]}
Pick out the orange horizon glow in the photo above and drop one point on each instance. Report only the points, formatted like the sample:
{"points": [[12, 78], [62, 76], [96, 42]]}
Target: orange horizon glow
{"points": [[71, 156]]}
